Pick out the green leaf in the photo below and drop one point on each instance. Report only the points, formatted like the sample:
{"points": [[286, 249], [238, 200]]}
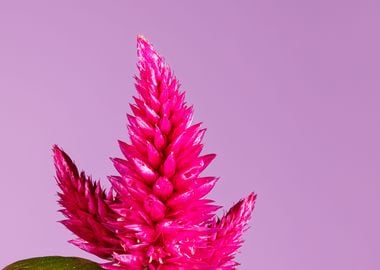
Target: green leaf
{"points": [[54, 262]]}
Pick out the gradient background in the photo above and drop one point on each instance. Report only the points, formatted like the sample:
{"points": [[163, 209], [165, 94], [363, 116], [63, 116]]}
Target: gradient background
{"points": [[289, 92]]}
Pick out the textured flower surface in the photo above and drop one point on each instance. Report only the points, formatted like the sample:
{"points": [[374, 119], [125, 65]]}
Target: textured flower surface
{"points": [[155, 215]]}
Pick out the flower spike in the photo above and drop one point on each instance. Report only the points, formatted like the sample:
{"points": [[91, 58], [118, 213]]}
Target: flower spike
{"points": [[86, 207], [156, 215]]}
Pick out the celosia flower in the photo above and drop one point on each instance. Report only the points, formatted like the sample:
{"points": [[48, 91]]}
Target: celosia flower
{"points": [[155, 215]]}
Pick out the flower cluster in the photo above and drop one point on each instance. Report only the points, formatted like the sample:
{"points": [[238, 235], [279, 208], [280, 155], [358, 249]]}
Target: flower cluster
{"points": [[155, 215]]}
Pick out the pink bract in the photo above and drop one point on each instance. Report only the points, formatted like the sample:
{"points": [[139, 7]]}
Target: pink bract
{"points": [[155, 216]]}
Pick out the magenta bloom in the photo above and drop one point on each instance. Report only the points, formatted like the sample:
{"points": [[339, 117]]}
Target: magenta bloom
{"points": [[155, 215]]}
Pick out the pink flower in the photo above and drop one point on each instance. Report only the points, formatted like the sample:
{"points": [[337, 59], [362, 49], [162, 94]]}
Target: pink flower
{"points": [[155, 215]]}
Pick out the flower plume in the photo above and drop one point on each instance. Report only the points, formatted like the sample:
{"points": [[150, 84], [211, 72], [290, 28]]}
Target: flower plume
{"points": [[156, 214]]}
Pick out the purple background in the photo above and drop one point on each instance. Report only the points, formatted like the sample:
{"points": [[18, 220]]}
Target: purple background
{"points": [[289, 92]]}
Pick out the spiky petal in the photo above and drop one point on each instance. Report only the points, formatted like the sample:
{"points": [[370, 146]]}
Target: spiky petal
{"points": [[157, 216]]}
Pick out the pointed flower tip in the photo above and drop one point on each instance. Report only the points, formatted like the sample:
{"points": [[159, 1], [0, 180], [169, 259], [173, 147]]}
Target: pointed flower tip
{"points": [[141, 38], [247, 206], [143, 44], [252, 197], [248, 203], [56, 149], [146, 51], [63, 163], [251, 200], [60, 156]]}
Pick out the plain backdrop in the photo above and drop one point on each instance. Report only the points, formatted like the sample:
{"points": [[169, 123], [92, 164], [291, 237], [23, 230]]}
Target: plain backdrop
{"points": [[289, 92]]}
